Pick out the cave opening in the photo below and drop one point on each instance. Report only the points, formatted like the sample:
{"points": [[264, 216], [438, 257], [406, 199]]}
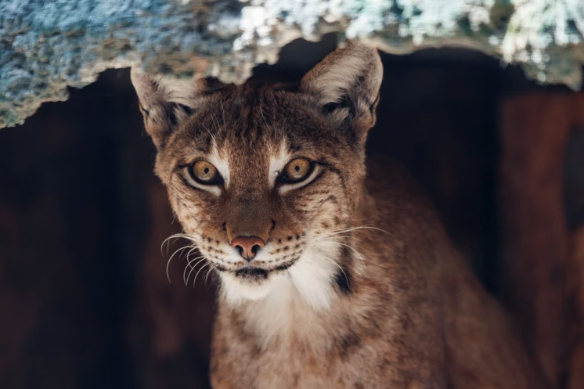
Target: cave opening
{"points": [[83, 216]]}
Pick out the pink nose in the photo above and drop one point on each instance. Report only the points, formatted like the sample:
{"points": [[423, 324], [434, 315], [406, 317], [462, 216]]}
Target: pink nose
{"points": [[248, 246]]}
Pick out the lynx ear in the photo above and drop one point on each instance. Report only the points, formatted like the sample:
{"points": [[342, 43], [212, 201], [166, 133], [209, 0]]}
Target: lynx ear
{"points": [[165, 103], [346, 85]]}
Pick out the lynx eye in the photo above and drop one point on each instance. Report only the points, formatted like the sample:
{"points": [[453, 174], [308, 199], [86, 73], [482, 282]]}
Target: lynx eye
{"points": [[205, 173], [297, 170]]}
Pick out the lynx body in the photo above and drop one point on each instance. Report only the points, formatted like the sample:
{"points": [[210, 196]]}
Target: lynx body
{"points": [[333, 273]]}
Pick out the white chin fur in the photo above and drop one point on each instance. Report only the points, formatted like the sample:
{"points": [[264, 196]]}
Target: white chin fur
{"points": [[237, 290], [308, 280]]}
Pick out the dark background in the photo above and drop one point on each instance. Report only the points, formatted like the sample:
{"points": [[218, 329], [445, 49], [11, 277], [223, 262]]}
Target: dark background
{"points": [[84, 299]]}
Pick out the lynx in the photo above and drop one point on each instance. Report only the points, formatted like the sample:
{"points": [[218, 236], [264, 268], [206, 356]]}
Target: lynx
{"points": [[333, 272]]}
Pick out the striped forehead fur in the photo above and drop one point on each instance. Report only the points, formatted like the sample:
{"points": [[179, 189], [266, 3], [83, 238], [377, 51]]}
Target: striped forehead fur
{"points": [[249, 133]]}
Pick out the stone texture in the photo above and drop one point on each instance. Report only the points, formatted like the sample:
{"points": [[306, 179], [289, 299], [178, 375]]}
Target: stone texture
{"points": [[46, 46]]}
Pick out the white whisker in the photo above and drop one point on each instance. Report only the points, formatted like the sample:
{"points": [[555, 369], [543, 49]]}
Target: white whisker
{"points": [[209, 272], [167, 241], [359, 256], [170, 259], [196, 275], [190, 265], [332, 261], [181, 249], [185, 236], [338, 232]]}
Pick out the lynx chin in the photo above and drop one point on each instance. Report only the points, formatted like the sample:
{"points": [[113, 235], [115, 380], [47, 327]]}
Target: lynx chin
{"points": [[334, 272]]}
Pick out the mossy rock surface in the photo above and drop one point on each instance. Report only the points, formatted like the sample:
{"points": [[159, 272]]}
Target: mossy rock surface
{"points": [[47, 46]]}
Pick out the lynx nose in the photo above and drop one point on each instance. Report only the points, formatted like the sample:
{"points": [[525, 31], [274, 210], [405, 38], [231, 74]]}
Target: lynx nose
{"points": [[248, 246]]}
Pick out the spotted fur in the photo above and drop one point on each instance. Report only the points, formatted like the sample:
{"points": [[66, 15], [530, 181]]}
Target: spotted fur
{"points": [[357, 285]]}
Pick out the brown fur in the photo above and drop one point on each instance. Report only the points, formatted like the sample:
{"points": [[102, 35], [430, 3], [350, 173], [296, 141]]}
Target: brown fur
{"points": [[396, 306]]}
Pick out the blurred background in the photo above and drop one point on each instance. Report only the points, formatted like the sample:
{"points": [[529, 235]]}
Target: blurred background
{"points": [[84, 297]]}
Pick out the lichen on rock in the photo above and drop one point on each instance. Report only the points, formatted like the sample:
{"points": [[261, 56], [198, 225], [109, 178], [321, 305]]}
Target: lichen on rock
{"points": [[47, 46]]}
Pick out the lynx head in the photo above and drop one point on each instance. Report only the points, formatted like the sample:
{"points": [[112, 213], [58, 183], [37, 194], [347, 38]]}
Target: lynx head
{"points": [[265, 178]]}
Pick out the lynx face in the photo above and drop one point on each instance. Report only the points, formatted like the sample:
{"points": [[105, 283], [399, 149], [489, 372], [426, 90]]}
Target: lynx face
{"points": [[264, 178]]}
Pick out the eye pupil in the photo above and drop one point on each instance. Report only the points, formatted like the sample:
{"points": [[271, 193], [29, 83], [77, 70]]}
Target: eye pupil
{"points": [[205, 173], [297, 170]]}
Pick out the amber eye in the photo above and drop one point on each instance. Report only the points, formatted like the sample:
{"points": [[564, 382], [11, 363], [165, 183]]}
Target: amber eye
{"points": [[297, 170], [205, 173]]}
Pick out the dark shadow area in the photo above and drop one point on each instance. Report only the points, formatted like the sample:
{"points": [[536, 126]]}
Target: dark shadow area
{"points": [[574, 180], [84, 299]]}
